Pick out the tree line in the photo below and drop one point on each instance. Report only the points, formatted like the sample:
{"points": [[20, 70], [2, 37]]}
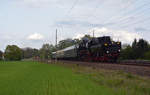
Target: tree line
{"points": [[13, 52], [138, 50]]}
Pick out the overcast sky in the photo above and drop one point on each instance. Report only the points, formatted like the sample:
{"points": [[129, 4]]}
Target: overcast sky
{"points": [[30, 23]]}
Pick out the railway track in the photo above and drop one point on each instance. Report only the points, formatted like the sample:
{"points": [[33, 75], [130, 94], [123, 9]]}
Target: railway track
{"points": [[142, 69], [135, 64], [145, 64]]}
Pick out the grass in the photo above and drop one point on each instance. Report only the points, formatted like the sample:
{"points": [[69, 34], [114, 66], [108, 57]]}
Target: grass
{"points": [[32, 78], [119, 81]]}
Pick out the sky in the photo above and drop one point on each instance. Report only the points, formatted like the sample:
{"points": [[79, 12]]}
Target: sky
{"points": [[31, 23]]}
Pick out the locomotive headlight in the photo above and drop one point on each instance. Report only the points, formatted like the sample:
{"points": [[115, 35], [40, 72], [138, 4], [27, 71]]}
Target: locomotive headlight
{"points": [[107, 51], [106, 44], [118, 43]]}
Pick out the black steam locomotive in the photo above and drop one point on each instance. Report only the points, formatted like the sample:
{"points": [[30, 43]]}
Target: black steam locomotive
{"points": [[97, 49]]}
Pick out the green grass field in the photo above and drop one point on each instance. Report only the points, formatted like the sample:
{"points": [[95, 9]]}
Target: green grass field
{"points": [[32, 78]]}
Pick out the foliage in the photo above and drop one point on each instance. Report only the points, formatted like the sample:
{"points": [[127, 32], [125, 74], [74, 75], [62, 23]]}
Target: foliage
{"points": [[29, 53], [13, 52], [147, 55], [65, 43], [1, 55], [87, 36], [127, 53], [140, 48], [46, 51], [69, 42], [136, 51]]}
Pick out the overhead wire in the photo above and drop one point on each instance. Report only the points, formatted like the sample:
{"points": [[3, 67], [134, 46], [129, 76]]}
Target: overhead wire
{"points": [[112, 17], [127, 19], [124, 11], [73, 6], [93, 15], [137, 22], [68, 12]]}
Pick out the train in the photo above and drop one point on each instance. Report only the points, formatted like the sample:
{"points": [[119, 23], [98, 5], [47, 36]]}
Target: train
{"points": [[100, 49]]}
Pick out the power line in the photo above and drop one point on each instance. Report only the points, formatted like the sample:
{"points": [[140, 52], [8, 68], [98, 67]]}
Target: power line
{"points": [[69, 11], [97, 7], [125, 12], [73, 6], [126, 20], [128, 17], [137, 22]]}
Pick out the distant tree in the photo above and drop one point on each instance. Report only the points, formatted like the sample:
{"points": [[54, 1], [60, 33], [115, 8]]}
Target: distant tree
{"points": [[35, 52], [46, 51], [126, 53], [65, 43], [147, 55], [69, 42], [124, 46], [27, 52], [76, 41], [141, 48], [1, 55], [134, 44], [87, 36], [30, 52], [138, 50], [13, 52]]}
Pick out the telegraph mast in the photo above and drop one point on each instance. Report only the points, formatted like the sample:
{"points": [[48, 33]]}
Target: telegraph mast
{"points": [[56, 47], [93, 33]]}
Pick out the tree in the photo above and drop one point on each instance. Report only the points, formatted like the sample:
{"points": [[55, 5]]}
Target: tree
{"points": [[65, 43], [1, 55], [30, 52], [134, 44], [127, 53], [69, 42], [46, 51], [138, 50], [141, 48], [35, 53], [87, 36], [13, 53], [147, 55]]}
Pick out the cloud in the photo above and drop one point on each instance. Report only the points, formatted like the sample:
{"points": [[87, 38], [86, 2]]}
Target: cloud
{"points": [[78, 36], [35, 36], [121, 35]]}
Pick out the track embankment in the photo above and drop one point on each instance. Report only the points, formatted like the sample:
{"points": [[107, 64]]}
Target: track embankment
{"points": [[134, 68]]}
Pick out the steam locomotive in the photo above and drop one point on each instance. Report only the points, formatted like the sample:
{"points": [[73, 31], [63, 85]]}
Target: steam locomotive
{"points": [[96, 49]]}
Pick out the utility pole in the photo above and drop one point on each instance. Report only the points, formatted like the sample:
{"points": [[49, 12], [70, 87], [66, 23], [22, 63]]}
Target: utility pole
{"points": [[93, 33], [56, 46]]}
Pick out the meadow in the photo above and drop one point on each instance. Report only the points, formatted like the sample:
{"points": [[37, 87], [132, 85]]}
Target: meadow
{"points": [[33, 78]]}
